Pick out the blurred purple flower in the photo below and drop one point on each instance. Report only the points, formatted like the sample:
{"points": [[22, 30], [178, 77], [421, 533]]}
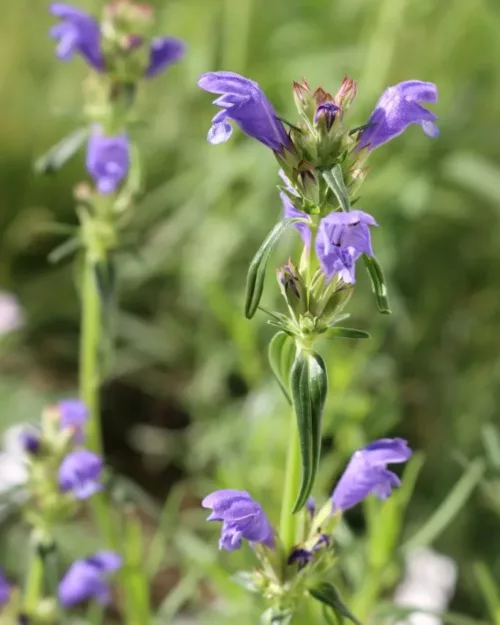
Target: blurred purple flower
{"points": [[73, 415], [341, 239], [4, 590], [108, 160], [244, 102], [87, 579], [367, 473], [163, 52], [77, 32], [241, 517], [311, 506], [30, 441], [397, 108], [80, 473], [11, 313], [80, 33]]}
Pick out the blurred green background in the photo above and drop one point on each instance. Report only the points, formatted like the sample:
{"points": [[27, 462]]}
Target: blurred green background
{"points": [[191, 396]]}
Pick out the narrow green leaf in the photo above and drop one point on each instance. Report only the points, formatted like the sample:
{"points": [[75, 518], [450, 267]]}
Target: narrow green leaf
{"points": [[378, 283], [308, 382], [329, 595], [334, 178], [257, 269], [450, 507], [345, 333], [70, 246], [281, 353], [60, 153], [488, 587]]}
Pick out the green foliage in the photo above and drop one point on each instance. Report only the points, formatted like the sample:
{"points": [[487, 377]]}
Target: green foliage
{"points": [[430, 371]]}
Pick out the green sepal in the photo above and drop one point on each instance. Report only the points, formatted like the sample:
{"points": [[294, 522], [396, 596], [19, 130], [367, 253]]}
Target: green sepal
{"points": [[61, 152], [308, 383], [257, 269], [334, 178], [378, 283], [345, 333], [330, 596], [281, 353]]}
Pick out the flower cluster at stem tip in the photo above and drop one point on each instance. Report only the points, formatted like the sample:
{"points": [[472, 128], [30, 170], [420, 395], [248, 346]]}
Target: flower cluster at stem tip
{"points": [[319, 142], [121, 50]]}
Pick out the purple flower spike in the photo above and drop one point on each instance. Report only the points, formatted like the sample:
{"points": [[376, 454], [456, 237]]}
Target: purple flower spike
{"points": [[244, 102], [80, 472], [73, 415], [4, 590], [241, 517], [87, 579], [108, 160], [367, 473], [77, 33], [164, 51], [342, 238], [397, 108]]}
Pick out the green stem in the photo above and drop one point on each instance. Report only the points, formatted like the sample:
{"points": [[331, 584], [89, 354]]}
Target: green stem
{"points": [[90, 384], [34, 582], [89, 355], [289, 521]]}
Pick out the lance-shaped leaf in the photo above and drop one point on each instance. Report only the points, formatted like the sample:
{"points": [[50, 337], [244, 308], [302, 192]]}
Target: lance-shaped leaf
{"points": [[334, 178], [60, 153], [308, 383], [257, 269], [329, 595], [281, 354], [378, 283], [338, 332]]}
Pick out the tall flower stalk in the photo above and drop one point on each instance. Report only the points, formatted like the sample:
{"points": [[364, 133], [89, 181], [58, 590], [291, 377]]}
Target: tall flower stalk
{"points": [[121, 52], [322, 162]]}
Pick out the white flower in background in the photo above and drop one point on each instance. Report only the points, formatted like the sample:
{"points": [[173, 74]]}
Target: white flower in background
{"points": [[11, 314], [429, 584], [13, 469]]}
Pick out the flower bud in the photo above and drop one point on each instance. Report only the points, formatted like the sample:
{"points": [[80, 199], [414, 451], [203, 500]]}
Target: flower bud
{"points": [[326, 115], [304, 99], [346, 95], [292, 287]]}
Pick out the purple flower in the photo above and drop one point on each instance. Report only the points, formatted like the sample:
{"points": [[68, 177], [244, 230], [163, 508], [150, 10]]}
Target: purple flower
{"points": [[87, 579], [397, 108], [164, 51], [289, 210], [77, 32], [367, 472], [30, 441], [108, 160], [311, 506], [341, 239], [244, 102], [73, 415], [241, 517], [80, 472], [4, 590], [329, 111]]}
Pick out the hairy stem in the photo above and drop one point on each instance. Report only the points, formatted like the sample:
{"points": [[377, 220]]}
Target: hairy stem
{"points": [[289, 521], [90, 383], [34, 582]]}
